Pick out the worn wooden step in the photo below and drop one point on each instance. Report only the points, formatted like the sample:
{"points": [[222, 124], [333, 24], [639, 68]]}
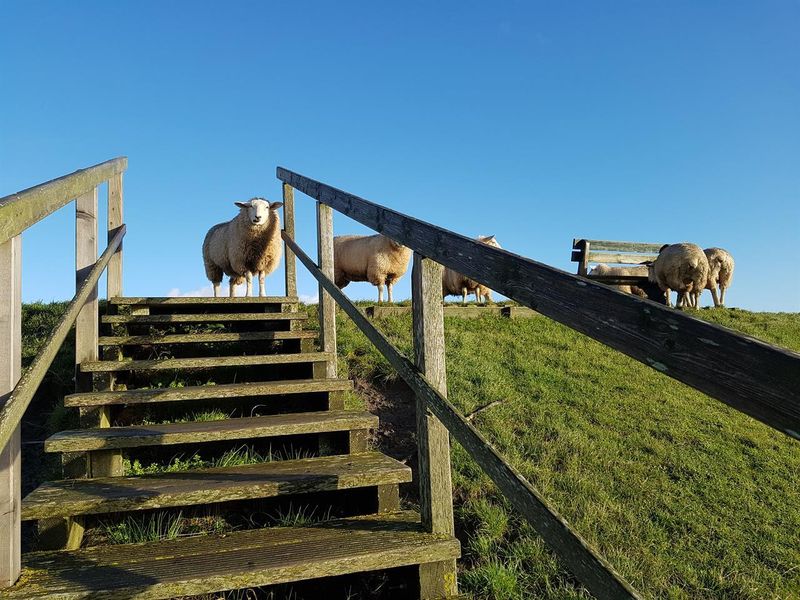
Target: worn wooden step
{"points": [[194, 300], [108, 438], [204, 338], [203, 318], [207, 564], [72, 497], [211, 362], [208, 392]]}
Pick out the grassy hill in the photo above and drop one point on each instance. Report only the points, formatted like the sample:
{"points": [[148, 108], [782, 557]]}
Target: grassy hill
{"points": [[686, 497]]}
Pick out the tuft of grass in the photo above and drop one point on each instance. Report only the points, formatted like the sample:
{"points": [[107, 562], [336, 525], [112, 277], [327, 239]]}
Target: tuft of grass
{"points": [[135, 529], [300, 516]]}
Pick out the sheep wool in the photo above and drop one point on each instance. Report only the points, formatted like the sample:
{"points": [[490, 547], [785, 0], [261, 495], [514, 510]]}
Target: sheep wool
{"points": [[454, 283], [636, 271], [373, 258], [720, 273], [680, 267]]}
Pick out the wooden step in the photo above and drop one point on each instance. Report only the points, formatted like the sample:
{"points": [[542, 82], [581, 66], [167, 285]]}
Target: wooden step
{"points": [[203, 318], [73, 497], [80, 440], [211, 362], [208, 392], [205, 338], [207, 564], [194, 300]]}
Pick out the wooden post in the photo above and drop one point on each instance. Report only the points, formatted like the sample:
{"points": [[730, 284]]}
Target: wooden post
{"points": [[583, 265], [433, 441], [115, 220], [288, 227], [327, 307], [10, 368]]}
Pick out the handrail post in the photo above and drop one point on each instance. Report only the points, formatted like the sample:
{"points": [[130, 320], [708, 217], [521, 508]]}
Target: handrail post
{"points": [[290, 263], [327, 307], [435, 485], [86, 325], [10, 368], [115, 220]]}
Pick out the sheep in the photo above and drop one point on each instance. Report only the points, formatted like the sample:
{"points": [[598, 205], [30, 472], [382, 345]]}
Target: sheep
{"points": [[720, 273], [635, 271], [454, 283], [249, 243], [680, 267], [373, 258]]}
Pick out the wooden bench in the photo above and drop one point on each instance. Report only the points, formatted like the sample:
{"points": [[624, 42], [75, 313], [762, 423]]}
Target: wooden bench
{"points": [[612, 253]]}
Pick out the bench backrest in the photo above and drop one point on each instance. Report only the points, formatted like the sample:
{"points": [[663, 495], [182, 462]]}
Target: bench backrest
{"points": [[611, 253]]}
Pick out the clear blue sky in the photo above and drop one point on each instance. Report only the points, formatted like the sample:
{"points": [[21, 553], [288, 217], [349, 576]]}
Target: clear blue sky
{"points": [[536, 122]]}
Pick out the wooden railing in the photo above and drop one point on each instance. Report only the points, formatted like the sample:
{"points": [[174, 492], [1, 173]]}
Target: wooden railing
{"points": [[756, 378], [18, 212]]}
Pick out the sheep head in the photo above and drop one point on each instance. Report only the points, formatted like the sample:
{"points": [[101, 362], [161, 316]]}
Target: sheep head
{"points": [[489, 240], [257, 210]]}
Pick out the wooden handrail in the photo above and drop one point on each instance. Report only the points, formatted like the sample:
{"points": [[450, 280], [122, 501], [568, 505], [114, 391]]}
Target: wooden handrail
{"points": [[11, 412], [578, 555], [752, 376], [21, 210]]}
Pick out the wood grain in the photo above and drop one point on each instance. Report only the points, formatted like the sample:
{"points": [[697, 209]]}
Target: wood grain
{"points": [[115, 220], [288, 226], [211, 362], [327, 308]]}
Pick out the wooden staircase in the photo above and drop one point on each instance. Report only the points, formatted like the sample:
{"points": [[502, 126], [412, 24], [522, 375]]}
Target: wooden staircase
{"points": [[165, 358]]}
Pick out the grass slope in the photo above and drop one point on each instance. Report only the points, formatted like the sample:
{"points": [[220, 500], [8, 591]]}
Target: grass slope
{"points": [[686, 497]]}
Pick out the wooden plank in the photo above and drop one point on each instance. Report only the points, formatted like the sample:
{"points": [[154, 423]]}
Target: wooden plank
{"points": [[288, 227], [115, 220], [456, 312], [245, 559], [195, 300], [204, 318], [103, 495], [433, 440], [12, 411], [211, 362], [21, 210], [205, 392], [83, 440], [583, 263], [87, 328], [620, 259], [10, 367], [205, 338], [625, 246], [577, 554], [327, 308], [750, 375]]}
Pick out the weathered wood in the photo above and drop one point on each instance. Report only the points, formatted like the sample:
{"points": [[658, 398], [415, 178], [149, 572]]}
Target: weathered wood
{"points": [[578, 555], [327, 308], [457, 312], [200, 300], [583, 257], [437, 580], [246, 559], [10, 367], [111, 366], [87, 328], [620, 246], [388, 497], [115, 220], [616, 258], [288, 226], [750, 375], [21, 210], [204, 318], [78, 440], [205, 392], [60, 534], [205, 338], [12, 411], [104, 495]]}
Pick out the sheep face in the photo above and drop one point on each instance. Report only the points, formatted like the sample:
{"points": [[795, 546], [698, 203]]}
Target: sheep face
{"points": [[257, 210]]}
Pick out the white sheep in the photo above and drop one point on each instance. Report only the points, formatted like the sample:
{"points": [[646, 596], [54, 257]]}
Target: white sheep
{"points": [[249, 243], [373, 258], [454, 283], [680, 267], [636, 271], [720, 273]]}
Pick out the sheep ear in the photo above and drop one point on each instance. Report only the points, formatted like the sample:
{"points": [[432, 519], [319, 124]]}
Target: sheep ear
{"points": [[242, 204], [275, 205], [488, 238]]}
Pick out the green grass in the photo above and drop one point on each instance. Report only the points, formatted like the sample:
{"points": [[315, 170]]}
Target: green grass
{"points": [[686, 497]]}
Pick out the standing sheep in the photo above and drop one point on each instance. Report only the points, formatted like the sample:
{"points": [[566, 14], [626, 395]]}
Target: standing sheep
{"points": [[454, 283], [680, 267], [373, 258], [249, 243], [637, 271], [720, 263]]}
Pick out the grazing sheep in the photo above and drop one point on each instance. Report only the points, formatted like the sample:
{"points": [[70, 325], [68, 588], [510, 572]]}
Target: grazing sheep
{"points": [[680, 267], [636, 271], [373, 258], [454, 283], [249, 243], [720, 273]]}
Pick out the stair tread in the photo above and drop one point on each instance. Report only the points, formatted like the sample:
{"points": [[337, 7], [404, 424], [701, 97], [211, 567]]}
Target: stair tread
{"points": [[202, 363], [81, 440], [154, 300], [206, 564], [69, 497], [200, 338], [203, 392], [204, 317]]}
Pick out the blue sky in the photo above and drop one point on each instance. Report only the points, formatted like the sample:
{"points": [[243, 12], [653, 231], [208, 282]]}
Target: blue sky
{"points": [[536, 122]]}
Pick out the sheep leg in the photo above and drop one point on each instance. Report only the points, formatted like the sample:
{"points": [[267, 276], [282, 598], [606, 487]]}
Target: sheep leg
{"points": [[722, 289], [249, 281], [216, 288], [232, 289], [464, 296], [389, 286], [262, 289], [669, 300], [487, 296], [714, 296], [380, 293]]}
